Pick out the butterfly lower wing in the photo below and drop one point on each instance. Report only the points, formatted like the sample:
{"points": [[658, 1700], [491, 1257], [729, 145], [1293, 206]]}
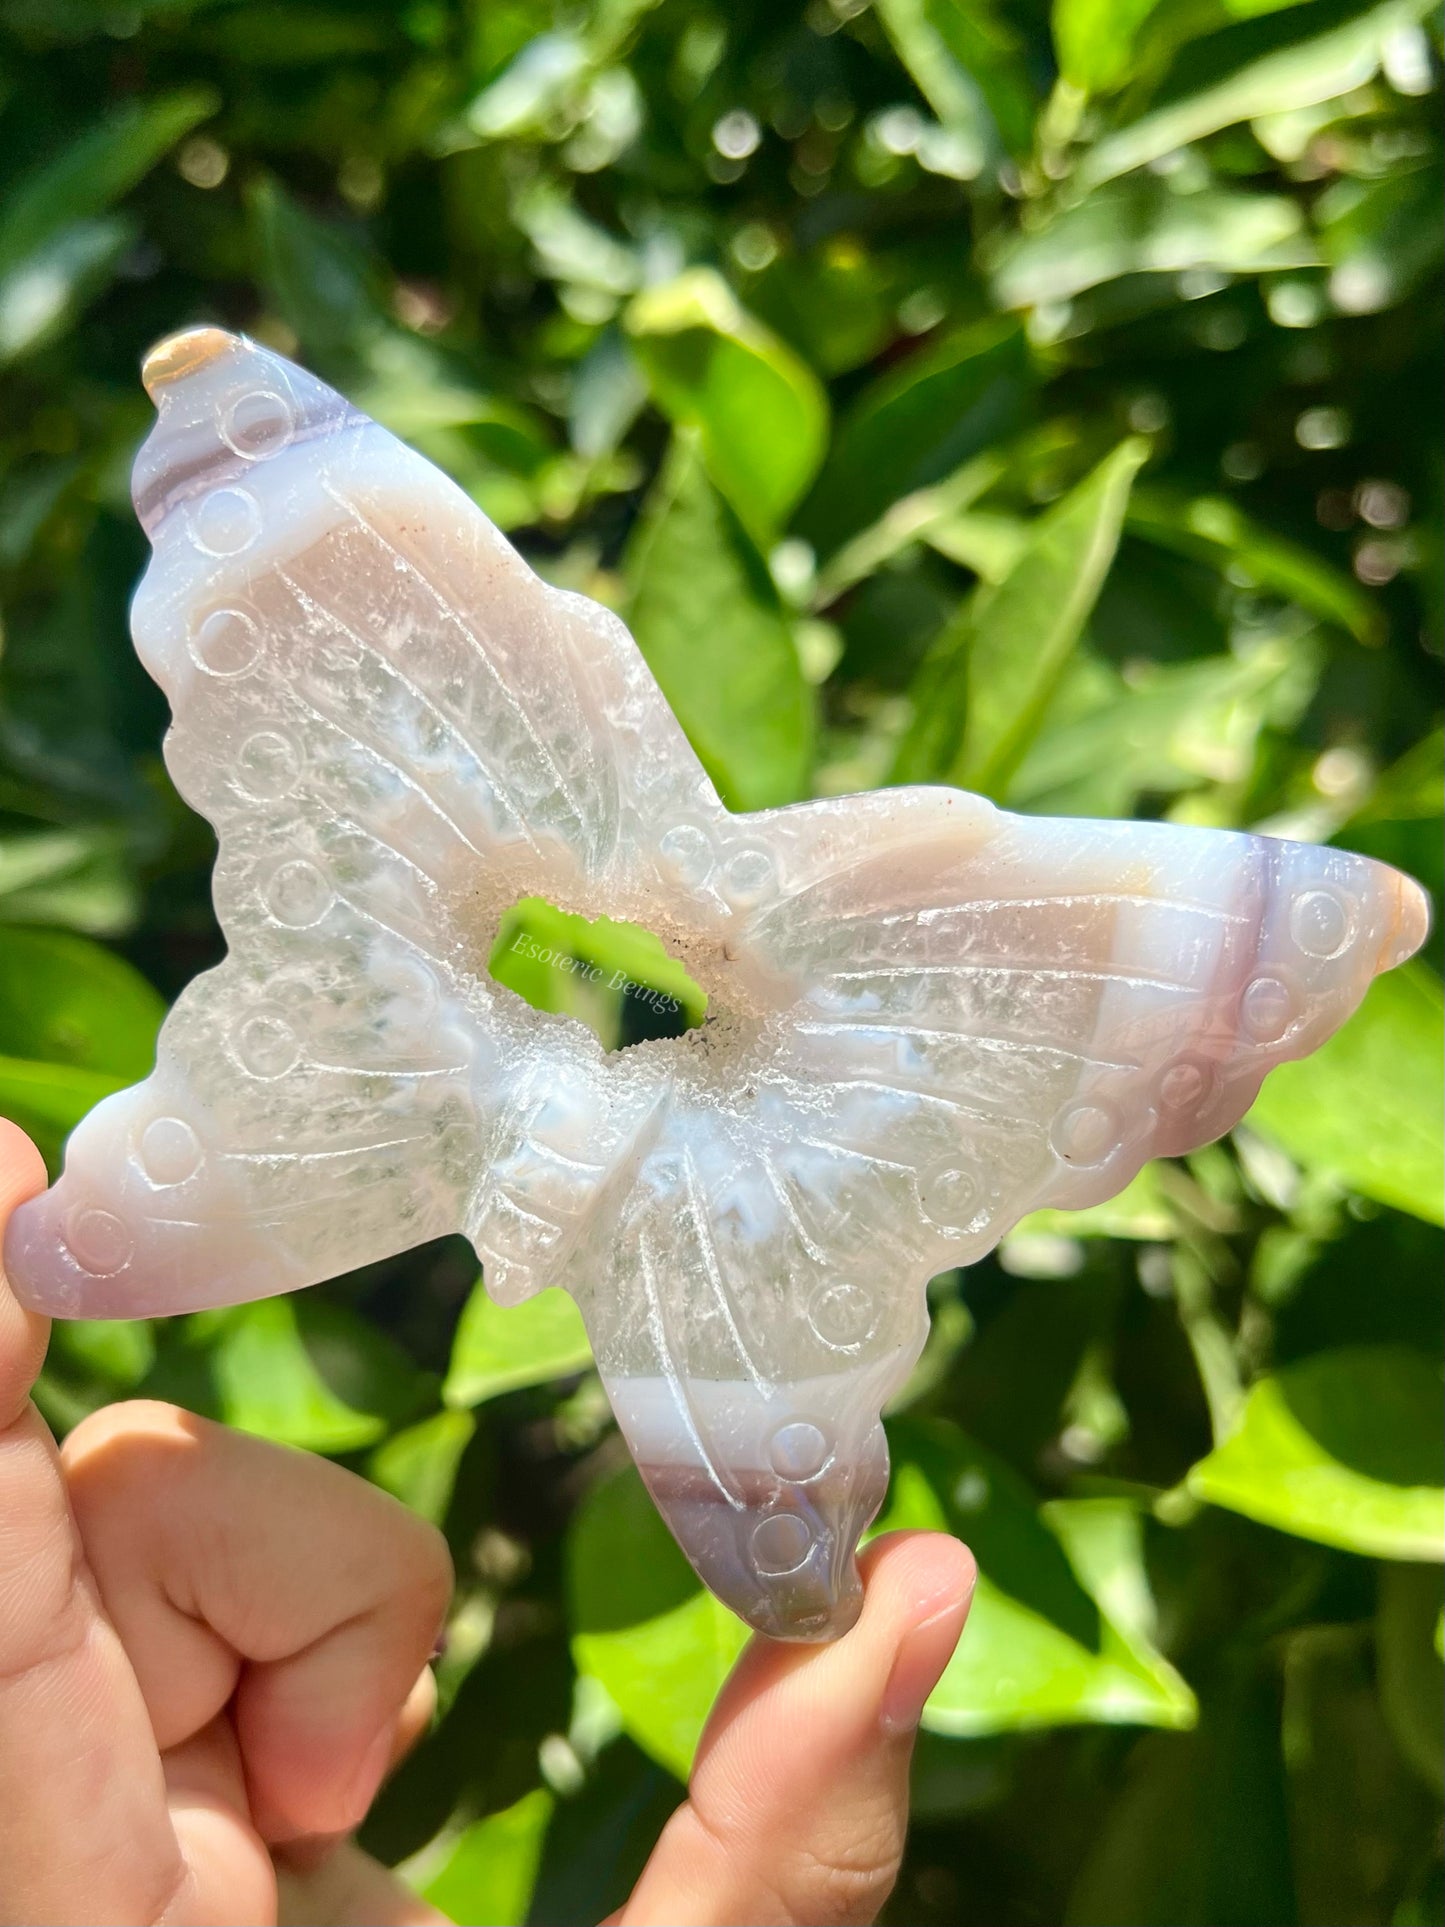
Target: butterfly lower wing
{"points": [[396, 730], [994, 1014]]}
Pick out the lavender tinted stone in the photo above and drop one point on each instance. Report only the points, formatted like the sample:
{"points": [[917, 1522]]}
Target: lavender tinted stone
{"points": [[928, 1016]]}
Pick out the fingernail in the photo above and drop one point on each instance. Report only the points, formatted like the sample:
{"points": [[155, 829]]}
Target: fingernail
{"points": [[919, 1663]]}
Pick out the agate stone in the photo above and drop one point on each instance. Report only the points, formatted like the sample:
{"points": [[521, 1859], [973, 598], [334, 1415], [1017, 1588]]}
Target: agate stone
{"points": [[926, 1016]]}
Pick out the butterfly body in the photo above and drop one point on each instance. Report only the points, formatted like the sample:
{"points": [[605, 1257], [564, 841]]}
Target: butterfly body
{"points": [[926, 1016]]}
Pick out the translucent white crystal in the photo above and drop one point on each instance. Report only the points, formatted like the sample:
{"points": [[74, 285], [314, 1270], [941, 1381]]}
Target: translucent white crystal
{"points": [[928, 1017]]}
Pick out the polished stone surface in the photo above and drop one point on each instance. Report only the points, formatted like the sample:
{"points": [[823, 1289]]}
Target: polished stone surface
{"points": [[926, 1017]]}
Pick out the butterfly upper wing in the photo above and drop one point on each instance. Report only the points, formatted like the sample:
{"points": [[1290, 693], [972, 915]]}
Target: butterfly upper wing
{"points": [[396, 730], [991, 1014]]}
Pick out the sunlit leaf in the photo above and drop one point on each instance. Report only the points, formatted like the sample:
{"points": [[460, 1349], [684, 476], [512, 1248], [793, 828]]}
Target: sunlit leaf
{"points": [[502, 1348], [1140, 1211], [708, 618], [1366, 1107], [419, 1465], [1143, 226], [76, 1023], [76, 878], [1343, 1447], [41, 294], [981, 696], [914, 518], [119, 1349], [1061, 1626], [640, 1624], [95, 170], [306, 1373], [1095, 39], [760, 413], [488, 1871], [1267, 68], [1170, 728]]}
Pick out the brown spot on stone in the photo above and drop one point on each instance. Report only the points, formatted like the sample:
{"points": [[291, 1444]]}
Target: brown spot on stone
{"points": [[181, 355]]}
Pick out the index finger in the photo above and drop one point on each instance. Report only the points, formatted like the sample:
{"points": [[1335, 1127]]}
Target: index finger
{"points": [[85, 1833]]}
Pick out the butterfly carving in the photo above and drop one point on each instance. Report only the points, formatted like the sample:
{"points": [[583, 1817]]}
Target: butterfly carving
{"points": [[929, 1016]]}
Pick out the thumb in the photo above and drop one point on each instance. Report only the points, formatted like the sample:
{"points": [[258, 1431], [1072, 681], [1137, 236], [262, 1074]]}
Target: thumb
{"points": [[798, 1805]]}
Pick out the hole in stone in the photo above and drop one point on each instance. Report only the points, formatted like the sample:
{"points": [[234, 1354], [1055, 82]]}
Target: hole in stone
{"points": [[617, 977]]}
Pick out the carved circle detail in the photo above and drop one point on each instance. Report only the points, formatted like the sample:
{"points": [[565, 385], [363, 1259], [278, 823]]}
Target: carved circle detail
{"points": [[226, 522], [170, 1151], [781, 1543], [98, 1240]]}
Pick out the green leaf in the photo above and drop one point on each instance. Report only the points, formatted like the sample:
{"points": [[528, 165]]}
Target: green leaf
{"points": [[1366, 1107], [289, 35], [1061, 1627], [968, 63], [1215, 530], [58, 246], [306, 1373], [66, 1001], [118, 1351], [1095, 40], [708, 619], [76, 878], [502, 1348], [640, 1625], [40, 296], [49, 1100], [1140, 1211], [1344, 1448], [94, 171], [330, 289], [76, 1023], [322, 281], [760, 413], [1291, 72], [917, 424], [419, 1465], [1381, 238], [616, 977], [1172, 727], [915, 518], [981, 696], [488, 1871], [1145, 226]]}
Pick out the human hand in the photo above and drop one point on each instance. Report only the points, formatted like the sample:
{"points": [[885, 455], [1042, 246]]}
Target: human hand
{"points": [[212, 1649]]}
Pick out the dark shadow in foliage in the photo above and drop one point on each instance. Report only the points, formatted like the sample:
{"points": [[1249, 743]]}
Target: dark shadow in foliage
{"points": [[598, 1841], [483, 1755]]}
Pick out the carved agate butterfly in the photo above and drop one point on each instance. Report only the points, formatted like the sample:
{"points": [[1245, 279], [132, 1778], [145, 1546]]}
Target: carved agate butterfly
{"points": [[928, 1016]]}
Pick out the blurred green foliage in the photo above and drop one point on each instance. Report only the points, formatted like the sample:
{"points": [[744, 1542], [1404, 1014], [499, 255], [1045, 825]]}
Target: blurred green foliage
{"points": [[943, 389]]}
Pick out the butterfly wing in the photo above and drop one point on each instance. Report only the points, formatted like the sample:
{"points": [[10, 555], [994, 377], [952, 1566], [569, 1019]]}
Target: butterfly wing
{"points": [[991, 1014], [396, 730], [926, 1017]]}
